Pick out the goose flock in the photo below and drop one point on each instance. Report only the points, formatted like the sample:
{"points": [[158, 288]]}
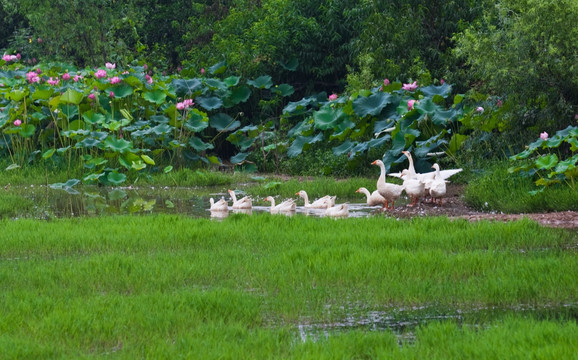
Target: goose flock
{"points": [[429, 186]]}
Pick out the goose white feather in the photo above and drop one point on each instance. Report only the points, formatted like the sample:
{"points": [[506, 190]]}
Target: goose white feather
{"points": [[373, 198], [288, 205], [243, 203], [437, 186], [320, 203], [341, 210], [220, 205], [391, 192]]}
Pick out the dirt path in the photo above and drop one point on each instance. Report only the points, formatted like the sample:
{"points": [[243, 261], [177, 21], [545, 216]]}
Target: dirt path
{"points": [[454, 206]]}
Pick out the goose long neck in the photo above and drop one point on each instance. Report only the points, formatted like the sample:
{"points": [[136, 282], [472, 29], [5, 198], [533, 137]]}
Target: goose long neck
{"points": [[411, 168], [382, 174], [233, 196], [212, 201], [272, 202], [366, 192], [305, 198]]}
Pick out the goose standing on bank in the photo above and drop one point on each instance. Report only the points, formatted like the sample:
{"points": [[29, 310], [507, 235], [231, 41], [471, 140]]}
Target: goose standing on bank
{"points": [[390, 192], [437, 186]]}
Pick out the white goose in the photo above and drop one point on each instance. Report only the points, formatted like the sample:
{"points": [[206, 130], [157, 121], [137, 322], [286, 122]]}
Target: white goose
{"points": [[220, 205], [288, 205], [391, 192], [341, 210], [373, 198], [445, 174], [437, 186], [243, 203], [319, 203]]}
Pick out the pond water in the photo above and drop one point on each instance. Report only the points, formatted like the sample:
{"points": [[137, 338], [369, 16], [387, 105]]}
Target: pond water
{"points": [[96, 201]]}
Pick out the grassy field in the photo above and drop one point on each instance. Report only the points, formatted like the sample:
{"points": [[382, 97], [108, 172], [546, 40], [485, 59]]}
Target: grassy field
{"points": [[277, 287]]}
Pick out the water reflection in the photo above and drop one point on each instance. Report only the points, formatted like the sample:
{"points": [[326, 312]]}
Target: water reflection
{"points": [[97, 201]]}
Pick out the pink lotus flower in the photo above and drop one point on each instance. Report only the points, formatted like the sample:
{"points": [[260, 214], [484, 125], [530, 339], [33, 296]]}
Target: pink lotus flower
{"points": [[544, 136], [6, 58], [52, 81], [66, 76], [386, 82], [17, 122], [149, 78], [32, 77], [39, 40], [111, 94], [185, 104], [442, 81], [91, 96], [202, 70], [110, 66], [410, 87], [499, 103], [410, 104], [114, 80], [38, 71], [480, 109], [76, 78], [333, 97], [18, 56], [100, 73]]}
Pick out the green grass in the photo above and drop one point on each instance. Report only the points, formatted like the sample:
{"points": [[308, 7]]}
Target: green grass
{"points": [[498, 190], [171, 286]]}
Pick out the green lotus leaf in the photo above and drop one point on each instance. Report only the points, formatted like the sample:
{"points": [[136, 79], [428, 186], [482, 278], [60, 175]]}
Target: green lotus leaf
{"points": [[121, 91], [442, 117], [290, 65], [240, 94], [196, 122], [427, 106], [296, 147], [573, 144], [443, 90], [48, 153], [71, 97], [218, 68], [116, 178], [216, 84], [239, 158], [168, 169], [326, 117], [566, 165], [199, 145], [422, 148], [371, 105], [554, 141], [16, 95], [162, 129], [209, 102], [379, 141], [224, 122], [138, 165], [42, 94], [262, 82], [93, 118], [284, 90], [456, 142], [546, 162], [117, 145], [87, 143], [157, 96], [147, 159], [344, 148], [232, 81], [184, 87], [27, 130]]}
